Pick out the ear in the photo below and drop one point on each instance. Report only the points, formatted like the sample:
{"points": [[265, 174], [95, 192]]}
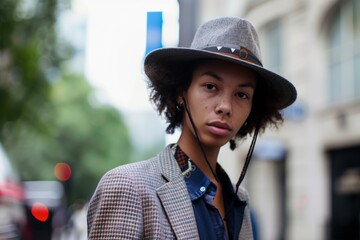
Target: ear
{"points": [[183, 95], [179, 99]]}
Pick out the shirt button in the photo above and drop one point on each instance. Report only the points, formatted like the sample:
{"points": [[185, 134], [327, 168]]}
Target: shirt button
{"points": [[202, 189]]}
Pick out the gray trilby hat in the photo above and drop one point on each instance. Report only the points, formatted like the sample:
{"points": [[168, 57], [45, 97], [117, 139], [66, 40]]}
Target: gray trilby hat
{"points": [[229, 39]]}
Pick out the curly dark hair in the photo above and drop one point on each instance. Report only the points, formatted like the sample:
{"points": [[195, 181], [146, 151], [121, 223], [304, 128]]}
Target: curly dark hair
{"points": [[167, 82]]}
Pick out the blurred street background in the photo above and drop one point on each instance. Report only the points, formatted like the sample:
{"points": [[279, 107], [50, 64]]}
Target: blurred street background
{"points": [[74, 104]]}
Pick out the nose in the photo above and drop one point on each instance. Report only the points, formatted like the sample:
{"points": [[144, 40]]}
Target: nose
{"points": [[224, 107]]}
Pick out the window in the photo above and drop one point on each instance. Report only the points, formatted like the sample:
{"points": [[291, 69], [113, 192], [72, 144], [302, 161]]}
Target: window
{"points": [[273, 47], [344, 52]]}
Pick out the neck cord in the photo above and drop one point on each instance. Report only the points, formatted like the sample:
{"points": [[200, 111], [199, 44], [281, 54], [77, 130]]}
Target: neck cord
{"points": [[245, 167], [198, 141], [248, 158]]}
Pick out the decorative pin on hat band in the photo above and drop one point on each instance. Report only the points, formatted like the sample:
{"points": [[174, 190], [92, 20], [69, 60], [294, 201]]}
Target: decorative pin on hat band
{"points": [[244, 54]]}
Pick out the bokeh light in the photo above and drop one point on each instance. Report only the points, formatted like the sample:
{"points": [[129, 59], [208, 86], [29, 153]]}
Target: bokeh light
{"points": [[62, 171], [40, 211]]}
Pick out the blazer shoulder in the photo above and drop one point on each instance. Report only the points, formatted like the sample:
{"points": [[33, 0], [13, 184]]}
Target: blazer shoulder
{"points": [[115, 207], [140, 173]]}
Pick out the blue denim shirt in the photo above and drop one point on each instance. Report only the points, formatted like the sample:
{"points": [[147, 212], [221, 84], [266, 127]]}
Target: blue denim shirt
{"points": [[202, 192]]}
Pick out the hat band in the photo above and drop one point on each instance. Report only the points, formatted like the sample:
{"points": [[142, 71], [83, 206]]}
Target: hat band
{"points": [[243, 54]]}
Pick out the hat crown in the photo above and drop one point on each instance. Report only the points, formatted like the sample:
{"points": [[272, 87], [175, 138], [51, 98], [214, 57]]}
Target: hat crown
{"points": [[229, 39], [230, 32]]}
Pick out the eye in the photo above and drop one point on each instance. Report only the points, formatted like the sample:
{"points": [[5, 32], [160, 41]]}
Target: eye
{"points": [[242, 95], [210, 86]]}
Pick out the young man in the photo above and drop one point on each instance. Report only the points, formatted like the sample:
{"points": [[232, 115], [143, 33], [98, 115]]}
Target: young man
{"points": [[216, 92]]}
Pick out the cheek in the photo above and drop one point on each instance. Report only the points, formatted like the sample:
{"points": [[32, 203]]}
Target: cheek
{"points": [[248, 110], [243, 115], [247, 114]]}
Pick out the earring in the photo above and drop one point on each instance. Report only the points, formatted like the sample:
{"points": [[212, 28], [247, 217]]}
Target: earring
{"points": [[179, 106], [232, 144]]}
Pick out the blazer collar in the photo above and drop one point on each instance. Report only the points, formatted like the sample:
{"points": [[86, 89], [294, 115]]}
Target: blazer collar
{"points": [[175, 197]]}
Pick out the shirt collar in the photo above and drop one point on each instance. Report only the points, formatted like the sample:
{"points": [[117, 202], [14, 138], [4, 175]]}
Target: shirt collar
{"points": [[196, 181]]}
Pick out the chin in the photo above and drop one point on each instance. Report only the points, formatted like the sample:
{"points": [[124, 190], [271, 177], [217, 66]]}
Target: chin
{"points": [[216, 143]]}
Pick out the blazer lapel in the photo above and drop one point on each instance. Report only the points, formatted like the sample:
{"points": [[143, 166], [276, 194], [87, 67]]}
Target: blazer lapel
{"points": [[175, 198]]}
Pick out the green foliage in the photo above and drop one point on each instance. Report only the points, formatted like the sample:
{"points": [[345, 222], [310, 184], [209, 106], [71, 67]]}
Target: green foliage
{"points": [[46, 118], [28, 53], [91, 139], [94, 138]]}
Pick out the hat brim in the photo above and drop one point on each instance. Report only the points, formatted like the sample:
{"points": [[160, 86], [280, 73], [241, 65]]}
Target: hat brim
{"points": [[283, 91]]}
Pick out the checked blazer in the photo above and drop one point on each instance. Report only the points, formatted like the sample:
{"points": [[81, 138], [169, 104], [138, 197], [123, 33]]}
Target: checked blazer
{"points": [[147, 200]]}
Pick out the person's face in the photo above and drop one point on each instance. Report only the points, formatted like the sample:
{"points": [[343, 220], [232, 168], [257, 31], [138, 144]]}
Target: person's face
{"points": [[219, 99]]}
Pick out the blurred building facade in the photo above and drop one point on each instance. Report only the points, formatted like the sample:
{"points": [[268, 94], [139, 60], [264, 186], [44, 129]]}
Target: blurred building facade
{"points": [[304, 180]]}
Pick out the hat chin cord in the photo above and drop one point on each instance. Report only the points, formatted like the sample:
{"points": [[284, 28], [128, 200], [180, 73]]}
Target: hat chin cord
{"points": [[245, 167], [248, 156], [247, 160], [199, 141]]}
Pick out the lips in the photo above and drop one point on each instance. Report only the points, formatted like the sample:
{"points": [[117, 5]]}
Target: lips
{"points": [[219, 128]]}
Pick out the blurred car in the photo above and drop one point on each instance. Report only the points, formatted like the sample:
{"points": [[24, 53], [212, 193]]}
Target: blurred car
{"points": [[12, 210], [46, 214]]}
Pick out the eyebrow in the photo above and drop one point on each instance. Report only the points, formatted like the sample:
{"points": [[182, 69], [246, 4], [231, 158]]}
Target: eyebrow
{"points": [[217, 77]]}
